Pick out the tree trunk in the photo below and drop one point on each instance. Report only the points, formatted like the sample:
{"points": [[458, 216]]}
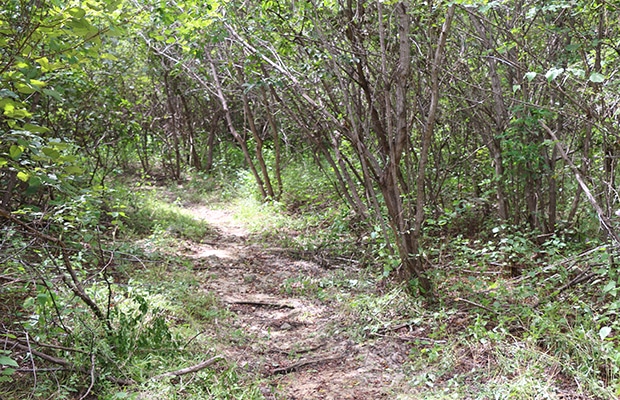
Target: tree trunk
{"points": [[233, 131], [249, 116], [276, 144]]}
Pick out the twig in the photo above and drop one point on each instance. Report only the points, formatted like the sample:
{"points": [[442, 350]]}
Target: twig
{"points": [[297, 365], [582, 277], [11, 280], [68, 366], [603, 218], [191, 369], [92, 376], [46, 357], [54, 346], [42, 369], [260, 303], [469, 271], [192, 339], [474, 304], [34, 367], [396, 327]]}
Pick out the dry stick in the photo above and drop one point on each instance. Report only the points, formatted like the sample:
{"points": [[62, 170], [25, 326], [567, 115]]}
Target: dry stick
{"points": [[599, 211], [191, 369], [192, 339], [473, 303], [297, 365], [260, 303], [34, 367], [30, 370], [92, 377], [582, 277], [53, 346], [46, 357], [66, 364]]}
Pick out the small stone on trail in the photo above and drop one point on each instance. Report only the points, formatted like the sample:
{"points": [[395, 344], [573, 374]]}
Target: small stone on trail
{"points": [[285, 326]]}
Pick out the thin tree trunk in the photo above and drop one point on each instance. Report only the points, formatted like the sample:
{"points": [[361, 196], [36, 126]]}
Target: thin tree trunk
{"points": [[191, 136], [215, 119], [176, 170], [249, 115], [501, 118], [426, 141], [276, 144], [233, 131]]}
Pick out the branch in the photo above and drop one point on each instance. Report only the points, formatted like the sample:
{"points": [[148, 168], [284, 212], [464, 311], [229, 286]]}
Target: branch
{"points": [[191, 369], [75, 285], [297, 365], [599, 211], [67, 365], [259, 303], [473, 303], [92, 377], [46, 357]]}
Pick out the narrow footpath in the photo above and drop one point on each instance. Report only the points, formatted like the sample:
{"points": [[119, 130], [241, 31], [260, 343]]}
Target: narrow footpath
{"points": [[297, 341]]}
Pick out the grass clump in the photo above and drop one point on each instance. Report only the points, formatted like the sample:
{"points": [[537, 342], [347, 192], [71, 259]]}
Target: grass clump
{"points": [[150, 213]]}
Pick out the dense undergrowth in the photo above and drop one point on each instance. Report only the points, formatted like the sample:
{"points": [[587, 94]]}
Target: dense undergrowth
{"points": [[513, 317]]}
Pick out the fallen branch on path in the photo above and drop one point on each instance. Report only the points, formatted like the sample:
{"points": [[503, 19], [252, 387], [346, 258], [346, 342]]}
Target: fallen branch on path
{"points": [[259, 303], [189, 370], [303, 363]]}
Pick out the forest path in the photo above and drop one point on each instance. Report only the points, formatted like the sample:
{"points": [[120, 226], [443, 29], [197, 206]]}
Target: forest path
{"points": [[282, 332]]}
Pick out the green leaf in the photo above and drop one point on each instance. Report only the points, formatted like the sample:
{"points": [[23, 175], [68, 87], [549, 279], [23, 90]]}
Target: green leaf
{"points": [[22, 176], [51, 153], [15, 152], [530, 76], [24, 88], [74, 170], [580, 73], [34, 184], [42, 298], [609, 287], [77, 12], [604, 332], [596, 77], [52, 93], [553, 73], [37, 83], [35, 128], [4, 360]]}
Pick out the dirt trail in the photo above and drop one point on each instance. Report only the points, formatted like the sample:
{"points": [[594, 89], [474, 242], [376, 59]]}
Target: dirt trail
{"points": [[297, 340], [295, 344]]}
